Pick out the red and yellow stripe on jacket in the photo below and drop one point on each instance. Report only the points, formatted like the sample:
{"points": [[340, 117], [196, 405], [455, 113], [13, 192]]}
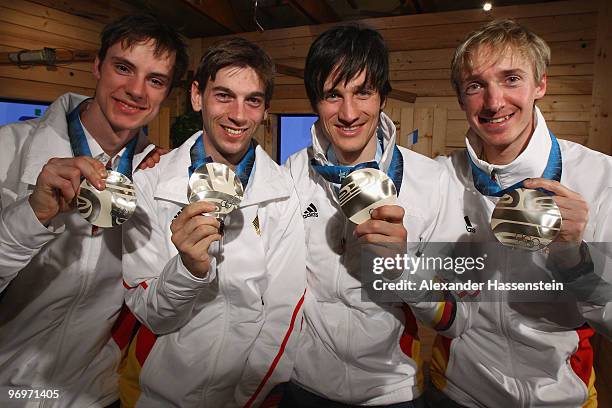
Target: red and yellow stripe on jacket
{"points": [[142, 343], [440, 352], [131, 366], [410, 344], [582, 364], [135, 341]]}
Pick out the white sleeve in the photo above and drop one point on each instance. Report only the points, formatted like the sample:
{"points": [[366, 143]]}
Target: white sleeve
{"points": [[271, 359], [21, 237], [161, 291]]}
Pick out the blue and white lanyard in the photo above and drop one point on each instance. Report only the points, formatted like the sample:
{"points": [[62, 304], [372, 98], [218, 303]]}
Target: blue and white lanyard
{"points": [[78, 143], [335, 173], [487, 186], [243, 169]]}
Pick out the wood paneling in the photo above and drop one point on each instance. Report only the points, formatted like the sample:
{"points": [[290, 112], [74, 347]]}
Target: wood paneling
{"points": [[29, 25], [600, 133]]}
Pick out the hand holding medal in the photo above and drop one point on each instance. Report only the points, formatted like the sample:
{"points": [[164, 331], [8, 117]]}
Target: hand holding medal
{"points": [[368, 197], [110, 206], [524, 217], [572, 206], [109, 203], [214, 190], [192, 234], [58, 185]]}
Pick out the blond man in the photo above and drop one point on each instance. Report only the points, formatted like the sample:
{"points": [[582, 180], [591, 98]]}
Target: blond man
{"points": [[538, 354]]}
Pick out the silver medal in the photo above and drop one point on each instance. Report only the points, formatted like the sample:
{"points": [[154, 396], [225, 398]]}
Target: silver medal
{"points": [[364, 190], [111, 206], [217, 184], [526, 219]]}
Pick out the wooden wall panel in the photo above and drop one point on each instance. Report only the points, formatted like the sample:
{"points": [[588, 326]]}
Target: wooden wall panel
{"points": [[28, 25], [600, 133], [420, 51]]}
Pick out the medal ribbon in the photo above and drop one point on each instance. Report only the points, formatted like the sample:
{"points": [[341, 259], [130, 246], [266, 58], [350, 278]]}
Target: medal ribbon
{"points": [[243, 169], [78, 143], [335, 173], [198, 155], [486, 186]]}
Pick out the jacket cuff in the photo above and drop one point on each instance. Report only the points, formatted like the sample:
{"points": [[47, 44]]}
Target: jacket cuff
{"points": [[21, 227], [177, 279]]}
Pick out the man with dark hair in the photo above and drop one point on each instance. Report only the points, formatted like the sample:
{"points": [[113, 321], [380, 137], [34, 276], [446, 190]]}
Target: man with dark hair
{"points": [[221, 308], [356, 352], [139, 28], [60, 277], [512, 353]]}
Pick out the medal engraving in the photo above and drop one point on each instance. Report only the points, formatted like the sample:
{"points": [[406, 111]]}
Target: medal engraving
{"points": [[111, 206], [217, 184], [526, 219], [364, 190]]}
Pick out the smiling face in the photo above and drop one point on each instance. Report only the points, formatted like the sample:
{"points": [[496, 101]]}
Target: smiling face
{"points": [[348, 116], [233, 106], [132, 84], [498, 97]]}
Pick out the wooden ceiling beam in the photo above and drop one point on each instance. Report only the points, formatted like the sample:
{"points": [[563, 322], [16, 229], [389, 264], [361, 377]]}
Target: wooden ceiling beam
{"points": [[219, 11], [316, 10], [397, 94]]}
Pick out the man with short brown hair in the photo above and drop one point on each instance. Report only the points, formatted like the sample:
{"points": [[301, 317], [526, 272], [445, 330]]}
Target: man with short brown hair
{"points": [[220, 306]]}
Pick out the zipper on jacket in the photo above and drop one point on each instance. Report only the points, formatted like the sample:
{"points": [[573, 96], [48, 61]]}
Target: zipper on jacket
{"points": [[65, 323], [523, 402], [347, 352], [342, 254], [223, 333]]}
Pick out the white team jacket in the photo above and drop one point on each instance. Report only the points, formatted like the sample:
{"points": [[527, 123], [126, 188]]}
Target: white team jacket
{"points": [[61, 287], [506, 359], [354, 351], [228, 339]]}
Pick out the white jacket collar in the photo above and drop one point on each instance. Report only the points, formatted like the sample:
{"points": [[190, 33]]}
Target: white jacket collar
{"points": [[50, 138], [174, 176], [530, 163], [386, 127]]}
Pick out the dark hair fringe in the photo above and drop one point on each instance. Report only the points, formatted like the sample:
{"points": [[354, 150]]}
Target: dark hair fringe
{"points": [[135, 28], [237, 52], [346, 51]]}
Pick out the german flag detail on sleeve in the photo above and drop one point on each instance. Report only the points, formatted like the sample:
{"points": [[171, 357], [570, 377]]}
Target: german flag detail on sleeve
{"points": [[445, 313]]}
